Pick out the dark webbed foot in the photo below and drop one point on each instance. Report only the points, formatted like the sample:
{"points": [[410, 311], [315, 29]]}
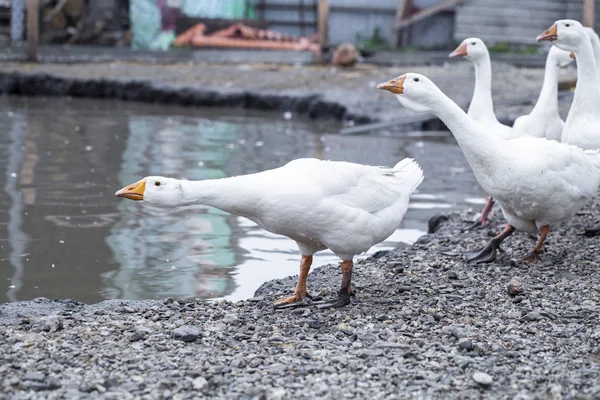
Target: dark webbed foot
{"points": [[488, 253], [485, 255], [593, 230], [342, 300]]}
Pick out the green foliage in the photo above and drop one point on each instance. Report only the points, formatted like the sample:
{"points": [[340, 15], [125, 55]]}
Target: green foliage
{"points": [[375, 41]]}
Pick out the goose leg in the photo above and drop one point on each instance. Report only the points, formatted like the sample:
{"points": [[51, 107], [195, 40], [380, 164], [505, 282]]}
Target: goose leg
{"points": [[298, 299], [534, 255], [482, 220], [345, 291], [593, 230], [488, 253]]}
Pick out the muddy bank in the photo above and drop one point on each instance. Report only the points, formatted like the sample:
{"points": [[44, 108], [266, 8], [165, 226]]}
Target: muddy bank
{"points": [[312, 90], [423, 324]]}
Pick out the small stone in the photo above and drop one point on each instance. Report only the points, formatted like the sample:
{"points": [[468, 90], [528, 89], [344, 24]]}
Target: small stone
{"points": [[237, 363], [514, 286], [49, 323], [482, 378], [255, 299], [187, 333], [199, 383], [465, 344], [37, 376], [255, 362], [403, 288], [459, 333], [136, 336], [87, 388], [532, 317], [314, 324], [517, 299], [370, 353]]}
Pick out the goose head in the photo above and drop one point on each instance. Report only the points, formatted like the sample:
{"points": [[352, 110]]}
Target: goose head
{"points": [[413, 91], [154, 190], [566, 34], [472, 49]]}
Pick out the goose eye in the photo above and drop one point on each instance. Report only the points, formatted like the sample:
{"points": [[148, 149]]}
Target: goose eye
{"points": [[416, 79], [567, 24], [157, 183], [473, 43]]}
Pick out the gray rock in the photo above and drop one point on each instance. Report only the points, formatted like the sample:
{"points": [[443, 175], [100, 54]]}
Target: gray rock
{"points": [[514, 286], [459, 332], [532, 317], [482, 378], [465, 344], [238, 362], [186, 333], [50, 323], [34, 376], [199, 383]]}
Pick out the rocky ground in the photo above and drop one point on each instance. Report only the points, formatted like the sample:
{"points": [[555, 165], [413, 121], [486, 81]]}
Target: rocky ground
{"points": [[319, 91], [423, 325]]}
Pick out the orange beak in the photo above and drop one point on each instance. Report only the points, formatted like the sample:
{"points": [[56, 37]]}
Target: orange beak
{"points": [[459, 51], [572, 55], [133, 192], [549, 35], [395, 86]]}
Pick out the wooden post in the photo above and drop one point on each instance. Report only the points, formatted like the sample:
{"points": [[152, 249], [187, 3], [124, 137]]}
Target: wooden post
{"points": [[588, 12], [400, 14], [323, 25], [33, 14]]}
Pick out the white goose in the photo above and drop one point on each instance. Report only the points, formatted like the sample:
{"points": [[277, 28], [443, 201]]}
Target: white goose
{"points": [[595, 40], [481, 108], [341, 206], [582, 127], [537, 182], [544, 119]]}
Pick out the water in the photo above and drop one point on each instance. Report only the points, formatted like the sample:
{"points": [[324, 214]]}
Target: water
{"points": [[64, 234]]}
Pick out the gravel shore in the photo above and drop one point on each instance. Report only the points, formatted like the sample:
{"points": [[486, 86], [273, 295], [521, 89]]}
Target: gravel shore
{"points": [[423, 325]]}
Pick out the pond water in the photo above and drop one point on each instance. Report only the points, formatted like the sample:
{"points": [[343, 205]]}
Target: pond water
{"points": [[64, 234]]}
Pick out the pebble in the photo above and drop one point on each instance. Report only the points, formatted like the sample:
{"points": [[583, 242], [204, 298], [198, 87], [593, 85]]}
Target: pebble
{"points": [[482, 378], [514, 286], [50, 323], [186, 333], [34, 376], [465, 345]]}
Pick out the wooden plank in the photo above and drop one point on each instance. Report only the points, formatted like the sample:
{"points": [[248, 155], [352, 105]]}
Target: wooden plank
{"points": [[533, 15], [323, 23], [427, 12], [33, 14], [588, 12], [400, 14], [519, 5]]}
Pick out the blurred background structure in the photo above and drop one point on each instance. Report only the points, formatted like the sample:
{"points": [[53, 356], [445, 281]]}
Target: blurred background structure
{"points": [[373, 25]]}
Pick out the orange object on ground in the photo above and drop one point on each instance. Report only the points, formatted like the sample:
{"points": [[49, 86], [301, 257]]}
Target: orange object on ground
{"points": [[242, 36]]}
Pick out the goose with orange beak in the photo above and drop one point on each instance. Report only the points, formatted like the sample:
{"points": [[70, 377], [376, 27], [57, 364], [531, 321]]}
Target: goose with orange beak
{"points": [[582, 127], [481, 108], [341, 206], [537, 182]]}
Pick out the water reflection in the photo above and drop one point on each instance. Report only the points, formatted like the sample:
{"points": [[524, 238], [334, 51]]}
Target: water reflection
{"points": [[184, 252], [66, 235]]}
